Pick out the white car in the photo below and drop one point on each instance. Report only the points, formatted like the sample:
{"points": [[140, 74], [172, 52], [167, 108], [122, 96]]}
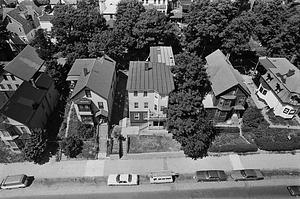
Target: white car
{"points": [[123, 179]]}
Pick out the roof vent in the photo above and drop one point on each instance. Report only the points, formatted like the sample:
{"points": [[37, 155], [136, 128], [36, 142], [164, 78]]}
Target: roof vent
{"points": [[147, 67], [85, 71]]}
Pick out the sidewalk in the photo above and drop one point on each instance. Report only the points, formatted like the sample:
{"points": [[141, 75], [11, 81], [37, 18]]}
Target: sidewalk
{"points": [[179, 164]]}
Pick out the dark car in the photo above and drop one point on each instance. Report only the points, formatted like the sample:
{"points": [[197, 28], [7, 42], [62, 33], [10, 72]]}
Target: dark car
{"points": [[247, 174], [294, 190], [210, 175]]}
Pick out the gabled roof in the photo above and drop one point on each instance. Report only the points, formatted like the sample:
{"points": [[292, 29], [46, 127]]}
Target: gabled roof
{"points": [[27, 24], [23, 104], [284, 71], [162, 54], [95, 74], [144, 76], [25, 64], [222, 75]]}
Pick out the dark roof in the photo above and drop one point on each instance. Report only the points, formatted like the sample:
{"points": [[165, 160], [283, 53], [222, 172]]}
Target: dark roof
{"points": [[44, 81], [25, 64], [27, 24], [150, 76], [46, 17], [24, 103], [285, 71], [31, 5], [97, 77], [162, 54], [15, 39], [222, 75]]}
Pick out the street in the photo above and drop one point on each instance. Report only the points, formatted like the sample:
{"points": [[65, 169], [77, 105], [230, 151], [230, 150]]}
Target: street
{"points": [[236, 192]]}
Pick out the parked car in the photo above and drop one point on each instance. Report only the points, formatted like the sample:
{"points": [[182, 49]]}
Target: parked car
{"points": [[123, 179], [15, 181], [247, 174], [210, 175], [162, 177], [294, 190]]}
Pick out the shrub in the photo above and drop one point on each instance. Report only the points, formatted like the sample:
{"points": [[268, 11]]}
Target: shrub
{"points": [[86, 131], [72, 146], [237, 148], [254, 119]]}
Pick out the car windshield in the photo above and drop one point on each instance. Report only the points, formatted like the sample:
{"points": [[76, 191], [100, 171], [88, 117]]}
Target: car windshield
{"points": [[129, 177], [118, 178], [250, 174]]}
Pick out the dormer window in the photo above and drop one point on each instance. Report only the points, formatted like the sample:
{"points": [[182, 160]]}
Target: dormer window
{"points": [[278, 89], [269, 77]]}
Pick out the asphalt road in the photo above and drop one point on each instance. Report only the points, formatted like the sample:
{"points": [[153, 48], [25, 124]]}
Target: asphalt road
{"points": [[243, 192]]}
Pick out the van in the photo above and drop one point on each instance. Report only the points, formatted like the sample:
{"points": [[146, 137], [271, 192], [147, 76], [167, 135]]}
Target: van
{"points": [[161, 177], [15, 181]]}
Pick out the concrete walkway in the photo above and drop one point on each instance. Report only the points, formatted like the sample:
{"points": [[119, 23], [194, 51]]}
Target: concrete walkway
{"points": [[181, 164]]}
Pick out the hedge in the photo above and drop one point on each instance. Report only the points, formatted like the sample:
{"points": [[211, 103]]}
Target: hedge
{"points": [[266, 143], [228, 129], [237, 148]]}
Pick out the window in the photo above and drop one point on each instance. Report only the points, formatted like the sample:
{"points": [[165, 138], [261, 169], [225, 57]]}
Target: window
{"points": [[264, 92], [100, 105], [1, 86], [135, 93], [164, 1], [88, 93], [146, 1], [158, 1], [5, 133], [145, 93], [221, 102], [136, 105], [155, 107], [154, 1], [261, 89], [241, 100], [278, 89], [13, 78], [292, 112], [23, 129], [20, 29], [286, 110], [5, 77], [145, 116], [136, 116], [227, 103], [111, 16], [84, 108], [17, 85], [86, 118], [223, 114], [145, 104]]}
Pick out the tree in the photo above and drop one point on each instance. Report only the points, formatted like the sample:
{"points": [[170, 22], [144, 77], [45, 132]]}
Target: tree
{"points": [[206, 21], [86, 131], [186, 114], [35, 146], [72, 146], [100, 42], [3, 34], [43, 44]]}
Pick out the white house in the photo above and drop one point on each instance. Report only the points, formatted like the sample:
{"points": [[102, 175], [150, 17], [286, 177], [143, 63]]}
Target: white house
{"points": [[279, 86], [148, 86]]}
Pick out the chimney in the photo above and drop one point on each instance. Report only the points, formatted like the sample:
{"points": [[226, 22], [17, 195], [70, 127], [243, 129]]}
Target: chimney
{"points": [[293, 58], [85, 71]]}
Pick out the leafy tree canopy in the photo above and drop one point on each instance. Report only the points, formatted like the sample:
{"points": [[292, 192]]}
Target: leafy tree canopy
{"points": [[72, 146], [45, 48]]}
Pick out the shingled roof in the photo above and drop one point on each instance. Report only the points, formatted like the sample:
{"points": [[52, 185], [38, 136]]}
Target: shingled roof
{"points": [[25, 64], [221, 73], [150, 76], [95, 74]]}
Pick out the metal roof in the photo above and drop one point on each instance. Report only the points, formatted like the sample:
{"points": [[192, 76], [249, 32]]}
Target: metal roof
{"points": [[95, 74], [25, 64], [150, 76], [221, 73], [162, 54]]}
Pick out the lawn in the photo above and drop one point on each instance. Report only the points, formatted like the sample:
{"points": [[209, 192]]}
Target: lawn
{"points": [[274, 139], [280, 121], [231, 142], [89, 150], [152, 143]]}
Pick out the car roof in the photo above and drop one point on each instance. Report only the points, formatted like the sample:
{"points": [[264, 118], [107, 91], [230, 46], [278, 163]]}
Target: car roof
{"points": [[250, 172]]}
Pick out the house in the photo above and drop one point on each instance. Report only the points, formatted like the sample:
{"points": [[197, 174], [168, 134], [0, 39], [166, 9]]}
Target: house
{"points": [[27, 98], [108, 9], [161, 54], [94, 82], [45, 22], [28, 108], [160, 5], [229, 92], [148, 86], [279, 86], [23, 22]]}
